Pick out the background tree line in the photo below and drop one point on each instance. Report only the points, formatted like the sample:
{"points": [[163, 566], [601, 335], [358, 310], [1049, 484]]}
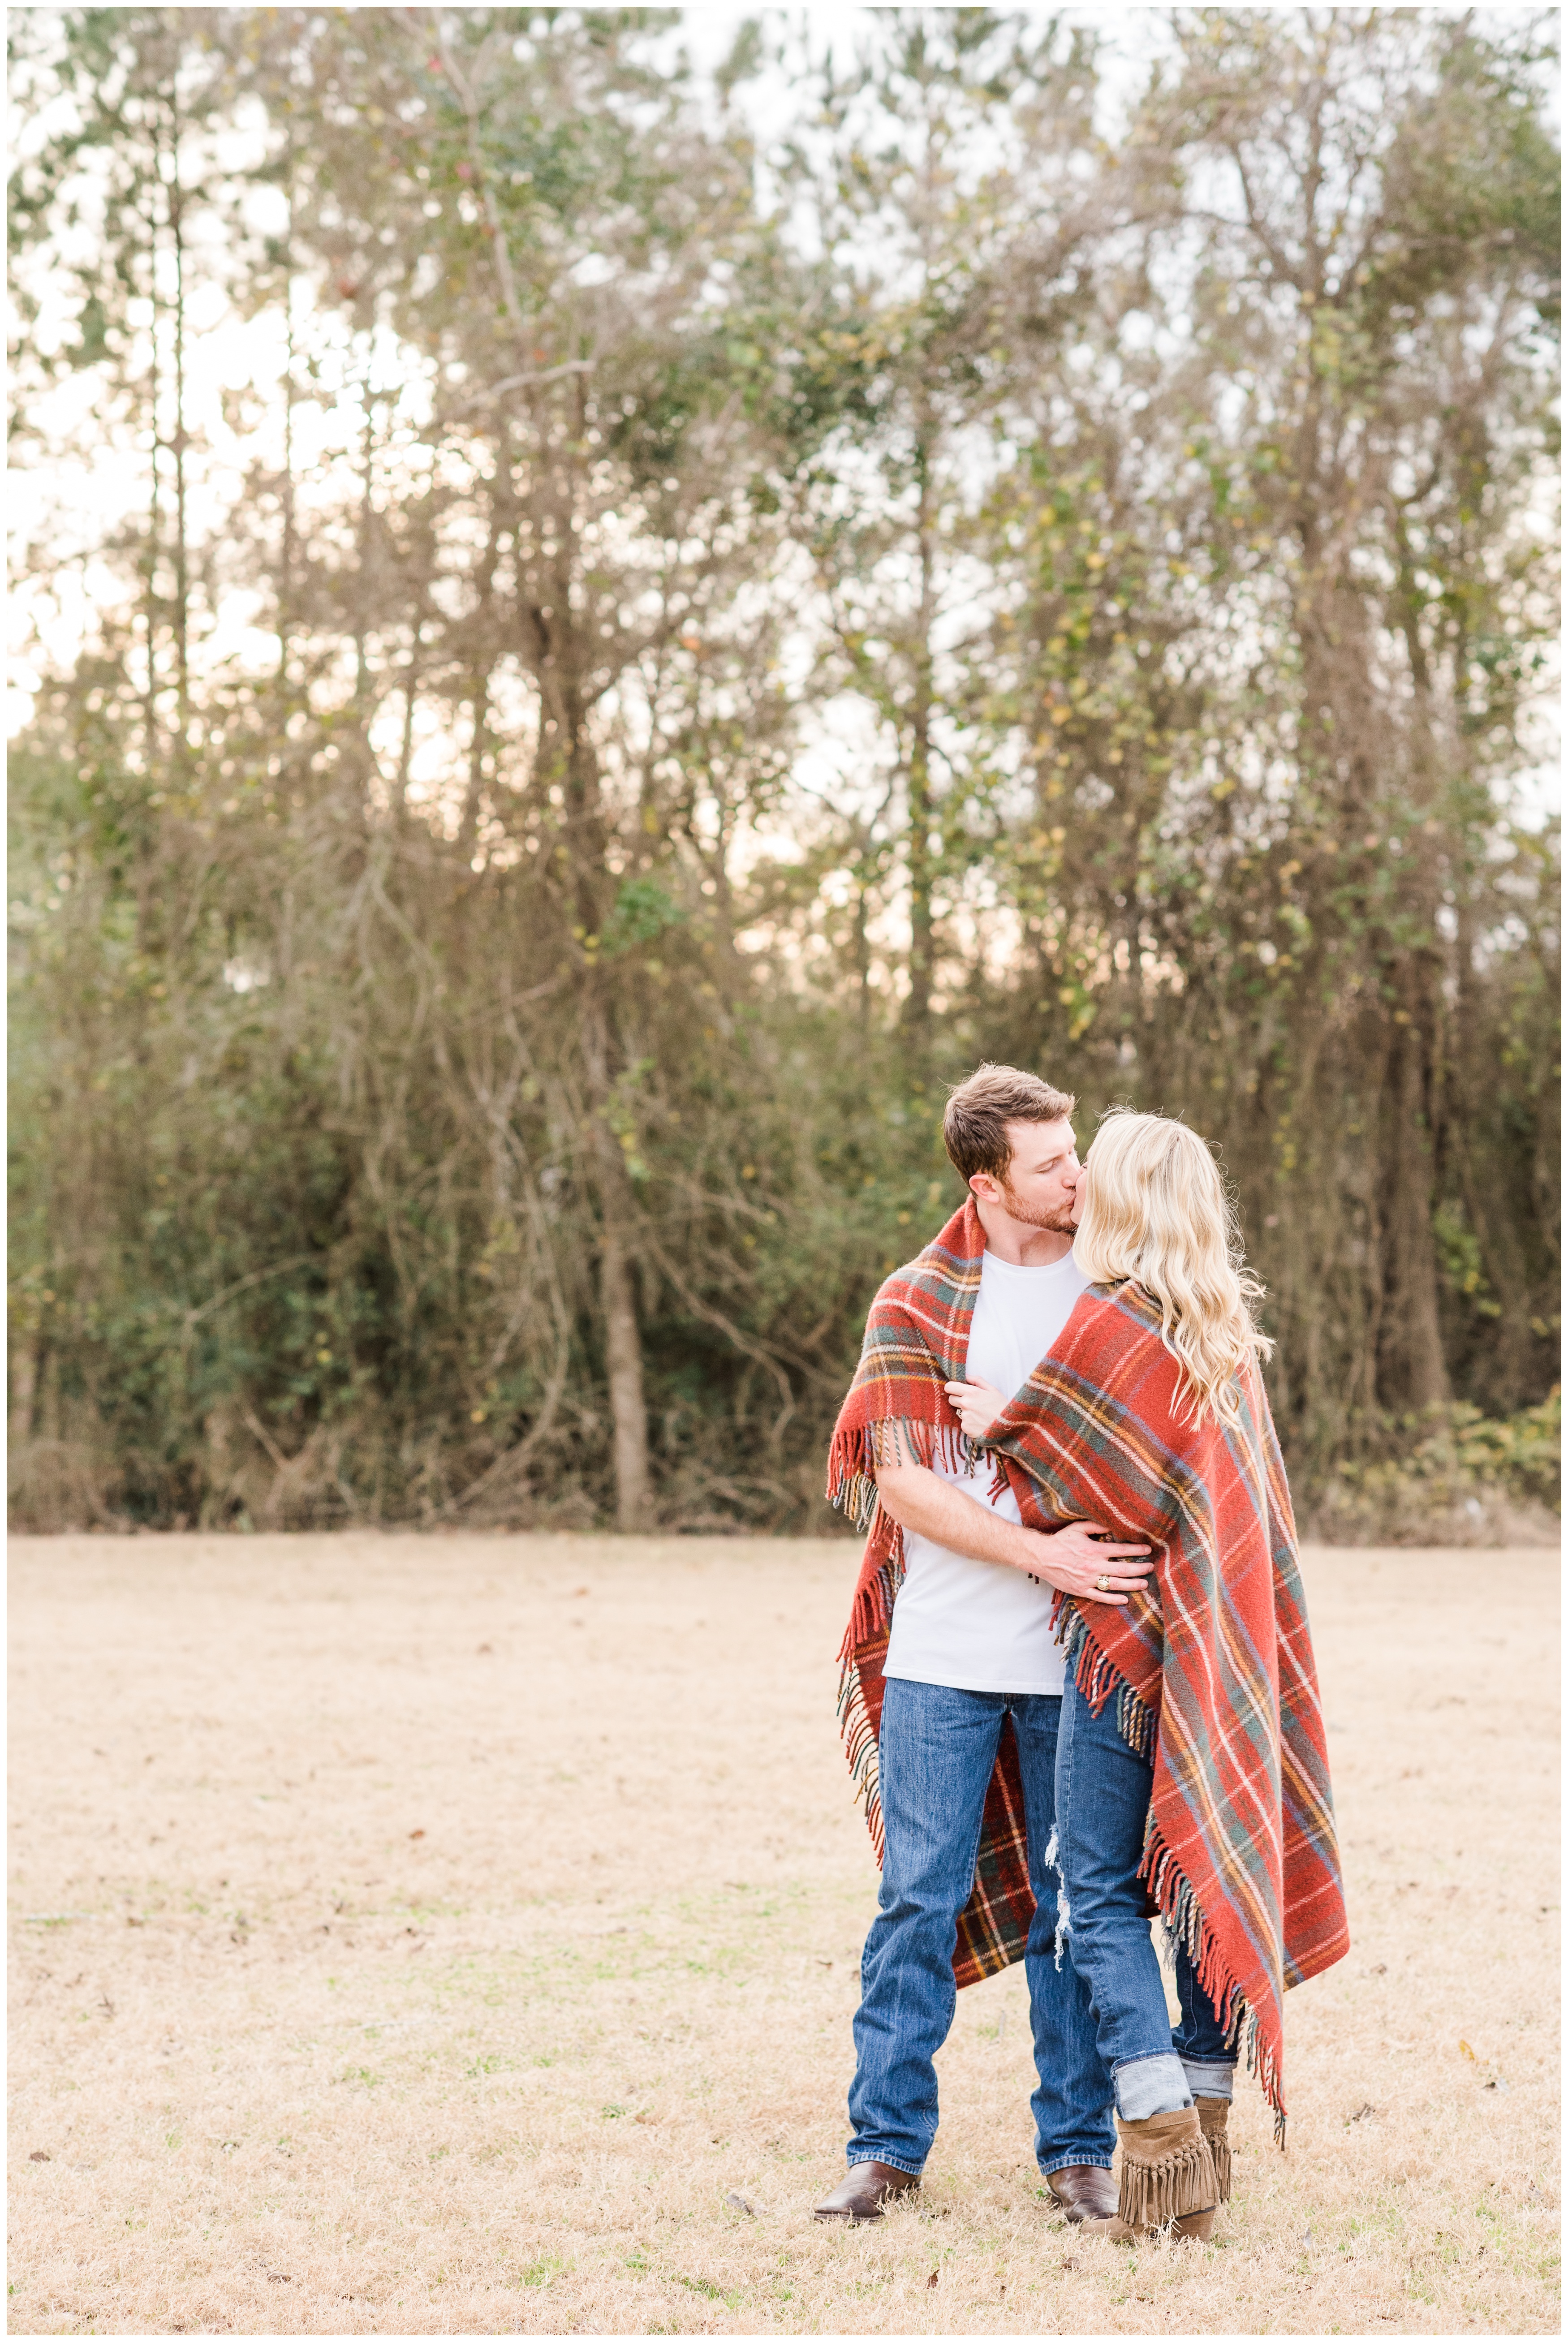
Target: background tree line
{"points": [[642, 622]]}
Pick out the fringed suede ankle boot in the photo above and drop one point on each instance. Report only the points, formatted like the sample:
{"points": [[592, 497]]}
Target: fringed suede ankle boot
{"points": [[1167, 2180], [1212, 2114]]}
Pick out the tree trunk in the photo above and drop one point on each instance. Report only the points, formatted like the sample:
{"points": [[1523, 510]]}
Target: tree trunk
{"points": [[1413, 1375], [24, 1383], [182, 524], [617, 1291], [624, 1364], [917, 1009], [922, 941]]}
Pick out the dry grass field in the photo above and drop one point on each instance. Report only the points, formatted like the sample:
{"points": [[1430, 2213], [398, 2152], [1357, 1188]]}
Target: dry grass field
{"points": [[459, 1935]]}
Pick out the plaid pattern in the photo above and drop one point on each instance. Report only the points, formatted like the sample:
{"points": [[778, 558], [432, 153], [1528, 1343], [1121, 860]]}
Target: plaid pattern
{"points": [[917, 1339], [1214, 1670]]}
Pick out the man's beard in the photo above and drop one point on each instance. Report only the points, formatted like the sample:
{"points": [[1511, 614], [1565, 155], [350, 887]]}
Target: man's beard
{"points": [[1058, 1219]]}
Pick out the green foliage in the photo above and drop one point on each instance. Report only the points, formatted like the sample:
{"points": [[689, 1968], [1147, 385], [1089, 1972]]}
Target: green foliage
{"points": [[1160, 593], [1453, 1469], [641, 913]]}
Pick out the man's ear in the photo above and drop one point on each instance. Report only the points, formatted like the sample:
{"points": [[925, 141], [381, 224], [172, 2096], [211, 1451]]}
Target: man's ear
{"points": [[983, 1187]]}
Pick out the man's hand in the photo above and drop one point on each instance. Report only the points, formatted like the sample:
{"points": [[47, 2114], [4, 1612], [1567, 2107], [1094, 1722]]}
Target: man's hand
{"points": [[1076, 1561], [1070, 1559]]}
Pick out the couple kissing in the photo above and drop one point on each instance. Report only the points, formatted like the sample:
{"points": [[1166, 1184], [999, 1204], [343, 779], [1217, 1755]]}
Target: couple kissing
{"points": [[1078, 1684]]}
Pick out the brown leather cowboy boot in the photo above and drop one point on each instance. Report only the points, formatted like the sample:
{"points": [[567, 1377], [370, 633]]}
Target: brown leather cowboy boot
{"points": [[864, 2192], [1084, 2191], [1213, 2114], [1167, 2180]]}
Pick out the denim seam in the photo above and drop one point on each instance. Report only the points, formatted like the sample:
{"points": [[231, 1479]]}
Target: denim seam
{"points": [[1076, 2163], [978, 1833], [1064, 1807], [913, 2171], [974, 1850]]}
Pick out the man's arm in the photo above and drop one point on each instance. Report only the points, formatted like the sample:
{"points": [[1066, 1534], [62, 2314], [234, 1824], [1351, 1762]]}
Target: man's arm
{"points": [[1071, 1559]]}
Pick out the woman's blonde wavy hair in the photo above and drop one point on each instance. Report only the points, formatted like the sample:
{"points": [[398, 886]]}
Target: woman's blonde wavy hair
{"points": [[1157, 1214]]}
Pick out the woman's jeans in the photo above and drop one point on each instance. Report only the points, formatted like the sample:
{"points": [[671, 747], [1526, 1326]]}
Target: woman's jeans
{"points": [[938, 1747], [1102, 1811]]}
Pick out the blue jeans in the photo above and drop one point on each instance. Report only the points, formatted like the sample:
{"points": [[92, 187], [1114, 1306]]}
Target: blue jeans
{"points": [[937, 1750], [1101, 1810]]}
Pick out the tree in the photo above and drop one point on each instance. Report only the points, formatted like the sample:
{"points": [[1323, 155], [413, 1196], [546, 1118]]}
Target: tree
{"points": [[1267, 734], [466, 1065], [942, 176], [537, 216]]}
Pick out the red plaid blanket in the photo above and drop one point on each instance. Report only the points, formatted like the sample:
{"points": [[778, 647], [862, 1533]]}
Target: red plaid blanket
{"points": [[1214, 1667], [917, 1339]]}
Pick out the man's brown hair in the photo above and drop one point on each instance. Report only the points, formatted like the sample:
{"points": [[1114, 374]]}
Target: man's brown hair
{"points": [[974, 1129]]}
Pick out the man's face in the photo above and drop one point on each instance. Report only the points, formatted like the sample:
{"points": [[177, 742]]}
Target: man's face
{"points": [[1042, 1179], [1080, 1195]]}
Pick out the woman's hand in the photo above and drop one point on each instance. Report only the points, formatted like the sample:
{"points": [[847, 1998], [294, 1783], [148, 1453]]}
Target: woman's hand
{"points": [[976, 1405]]}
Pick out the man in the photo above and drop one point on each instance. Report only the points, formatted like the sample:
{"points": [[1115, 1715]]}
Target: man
{"points": [[952, 1677]]}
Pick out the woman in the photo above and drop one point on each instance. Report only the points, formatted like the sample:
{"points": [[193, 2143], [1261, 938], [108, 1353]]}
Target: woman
{"points": [[1191, 1761]]}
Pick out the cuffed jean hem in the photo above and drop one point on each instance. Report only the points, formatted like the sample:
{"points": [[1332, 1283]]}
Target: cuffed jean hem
{"points": [[911, 2170], [1210, 2079], [1151, 2085], [1076, 2163]]}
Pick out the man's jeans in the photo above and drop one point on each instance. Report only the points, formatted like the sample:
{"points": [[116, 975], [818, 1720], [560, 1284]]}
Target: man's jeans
{"points": [[937, 1750], [1102, 1809]]}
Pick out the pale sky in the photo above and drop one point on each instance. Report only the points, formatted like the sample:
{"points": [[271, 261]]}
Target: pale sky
{"points": [[69, 505]]}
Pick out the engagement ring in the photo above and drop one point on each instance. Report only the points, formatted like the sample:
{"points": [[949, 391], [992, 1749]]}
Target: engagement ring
{"points": [[1103, 1584]]}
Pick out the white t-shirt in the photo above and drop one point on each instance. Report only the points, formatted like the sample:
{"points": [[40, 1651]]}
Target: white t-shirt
{"points": [[980, 1626]]}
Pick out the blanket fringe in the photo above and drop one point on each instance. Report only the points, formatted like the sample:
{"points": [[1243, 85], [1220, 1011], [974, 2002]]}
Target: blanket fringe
{"points": [[1168, 1883], [850, 1484], [1096, 1678], [868, 1629], [871, 1613], [860, 1747], [858, 1454], [1182, 1921]]}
